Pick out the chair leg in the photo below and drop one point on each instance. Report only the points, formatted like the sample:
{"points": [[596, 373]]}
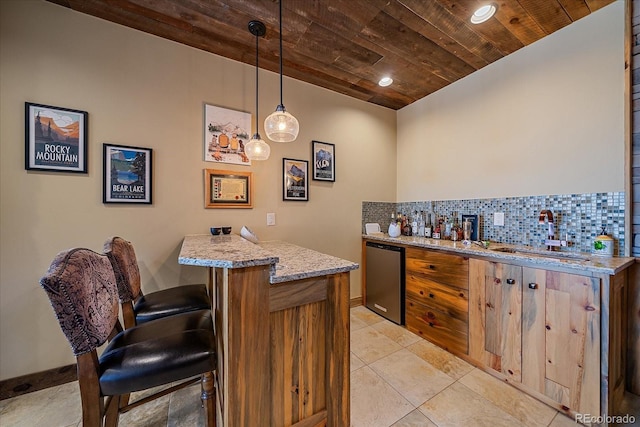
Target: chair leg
{"points": [[92, 402], [208, 398], [112, 412]]}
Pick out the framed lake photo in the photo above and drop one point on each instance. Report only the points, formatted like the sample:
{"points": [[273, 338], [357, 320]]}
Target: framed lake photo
{"points": [[323, 155], [55, 138], [295, 185], [127, 174]]}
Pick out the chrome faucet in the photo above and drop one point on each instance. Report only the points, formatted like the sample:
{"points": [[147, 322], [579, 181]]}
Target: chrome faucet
{"points": [[550, 241]]}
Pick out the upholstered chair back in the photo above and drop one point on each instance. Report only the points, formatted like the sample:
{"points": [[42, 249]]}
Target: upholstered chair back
{"points": [[125, 266], [81, 287]]}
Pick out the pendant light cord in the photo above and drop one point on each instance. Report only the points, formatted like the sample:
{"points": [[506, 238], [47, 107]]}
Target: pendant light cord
{"points": [[281, 104], [257, 69]]}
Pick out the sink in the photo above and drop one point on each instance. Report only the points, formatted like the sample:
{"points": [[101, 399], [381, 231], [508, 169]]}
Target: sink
{"points": [[546, 254]]}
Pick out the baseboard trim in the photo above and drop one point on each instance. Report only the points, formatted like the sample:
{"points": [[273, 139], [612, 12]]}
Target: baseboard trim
{"points": [[38, 381], [354, 302]]}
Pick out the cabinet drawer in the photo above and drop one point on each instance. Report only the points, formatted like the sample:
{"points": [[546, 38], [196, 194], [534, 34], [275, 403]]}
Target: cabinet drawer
{"points": [[447, 269], [448, 299], [438, 327]]}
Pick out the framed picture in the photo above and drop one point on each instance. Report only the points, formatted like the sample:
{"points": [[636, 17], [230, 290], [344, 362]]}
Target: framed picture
{"points": [[55, 138], [126, 174], [227, 189], [294, 180], [323, 156], [225, 134]]}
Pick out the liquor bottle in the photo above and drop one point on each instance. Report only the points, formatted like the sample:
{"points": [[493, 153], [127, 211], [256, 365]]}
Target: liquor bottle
{"points": [[437, 229], [414, 223], [454, 230], [428, 227], [421, 224]]}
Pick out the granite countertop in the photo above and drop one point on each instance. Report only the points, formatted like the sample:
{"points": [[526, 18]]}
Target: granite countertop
{"points": [[579, 261], [288, 261]]}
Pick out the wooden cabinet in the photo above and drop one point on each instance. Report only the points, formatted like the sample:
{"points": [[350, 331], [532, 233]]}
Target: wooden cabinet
{"points": [[437, 298], [496, 317], [539, 328]]}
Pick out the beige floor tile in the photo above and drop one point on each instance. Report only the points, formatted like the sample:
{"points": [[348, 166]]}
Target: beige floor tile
{"points": [[416, 380], [59, 406], [397, 333], [374, 403], [356, 323], [367, 316], [370, 345], [414, 419], [561, 420], [526, 409], [355, 362], [154, 413], [458, 406], [185, 408], [451, 365]]}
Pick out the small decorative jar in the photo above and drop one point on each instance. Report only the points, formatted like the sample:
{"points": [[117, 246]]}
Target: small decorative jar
{"points": [[603, 245]]}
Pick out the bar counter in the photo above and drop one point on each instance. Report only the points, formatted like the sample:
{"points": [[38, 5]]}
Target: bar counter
{"points": [[282, 329]]}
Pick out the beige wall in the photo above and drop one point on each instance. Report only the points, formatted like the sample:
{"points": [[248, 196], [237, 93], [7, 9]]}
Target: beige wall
{"points": [[548, 119], [143, 91]]}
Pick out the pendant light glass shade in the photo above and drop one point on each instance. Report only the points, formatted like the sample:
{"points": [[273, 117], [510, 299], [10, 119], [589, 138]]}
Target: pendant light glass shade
{"points": [[280, 125], [256, 148]]}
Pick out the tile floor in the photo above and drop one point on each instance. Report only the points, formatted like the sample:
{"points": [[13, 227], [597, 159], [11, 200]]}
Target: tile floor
{"points": [[397, 379]]}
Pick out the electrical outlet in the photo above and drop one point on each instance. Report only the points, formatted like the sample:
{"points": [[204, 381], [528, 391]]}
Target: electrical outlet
{"points": [[271, 218], [498, 218]]}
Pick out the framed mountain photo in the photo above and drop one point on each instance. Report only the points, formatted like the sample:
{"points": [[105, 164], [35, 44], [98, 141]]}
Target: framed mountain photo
{"points": [[295, 183], [323, 156]]}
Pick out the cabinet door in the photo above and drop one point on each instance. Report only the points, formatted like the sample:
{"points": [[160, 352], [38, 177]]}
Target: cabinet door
{"points": [[561, 338], [495, 307]]}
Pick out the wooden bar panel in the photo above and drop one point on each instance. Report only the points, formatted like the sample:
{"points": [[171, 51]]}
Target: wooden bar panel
{"points": [[245, 319], [337, 348], [633, 340], [284, 295], [617, 340]]}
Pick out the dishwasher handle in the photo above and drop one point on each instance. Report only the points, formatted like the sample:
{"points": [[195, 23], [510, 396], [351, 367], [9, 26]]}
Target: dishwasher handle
{"points": [[384, 247]]}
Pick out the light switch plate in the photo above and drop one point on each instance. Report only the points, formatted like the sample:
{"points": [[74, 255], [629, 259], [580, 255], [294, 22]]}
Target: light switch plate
{"points": [[271, 218], [498, 218]]}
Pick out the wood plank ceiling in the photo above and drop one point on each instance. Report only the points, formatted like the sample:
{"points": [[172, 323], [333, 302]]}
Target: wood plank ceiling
{"points": [[348, 45]]}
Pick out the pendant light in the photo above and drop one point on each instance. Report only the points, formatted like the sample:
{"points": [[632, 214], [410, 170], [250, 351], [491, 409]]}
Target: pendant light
{"points": [[256, 148], [281, 126]]}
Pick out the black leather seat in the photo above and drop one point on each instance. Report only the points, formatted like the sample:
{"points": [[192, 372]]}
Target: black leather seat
{"points": [[138, 307], [81, 287]]}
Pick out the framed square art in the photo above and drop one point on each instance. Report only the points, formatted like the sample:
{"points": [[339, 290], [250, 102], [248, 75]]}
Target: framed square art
{"points": [[226, 132]]}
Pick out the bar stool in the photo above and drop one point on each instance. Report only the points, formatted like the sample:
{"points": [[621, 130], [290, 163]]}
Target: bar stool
{"points": [[81, 287], [138, 308]]}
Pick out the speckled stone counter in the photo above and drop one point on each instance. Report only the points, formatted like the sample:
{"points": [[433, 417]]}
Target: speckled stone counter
{"points": [[582, 262], [289, 262]]}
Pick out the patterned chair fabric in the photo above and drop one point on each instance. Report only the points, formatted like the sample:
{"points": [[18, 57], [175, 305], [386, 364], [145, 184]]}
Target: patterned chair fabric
{"points": [[81, 287], [125, 266]]}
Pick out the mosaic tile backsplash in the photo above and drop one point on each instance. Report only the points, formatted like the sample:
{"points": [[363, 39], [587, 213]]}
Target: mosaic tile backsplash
{"points": [[579, 218]]}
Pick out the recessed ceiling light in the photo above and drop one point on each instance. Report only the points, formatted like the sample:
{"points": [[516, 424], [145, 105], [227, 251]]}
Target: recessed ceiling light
{"points": [[385, 81], [483, 14]]}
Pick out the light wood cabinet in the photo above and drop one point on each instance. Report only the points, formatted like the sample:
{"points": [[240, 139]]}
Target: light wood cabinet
{"points": [[437, 298], [496, 317], [540, 329]]}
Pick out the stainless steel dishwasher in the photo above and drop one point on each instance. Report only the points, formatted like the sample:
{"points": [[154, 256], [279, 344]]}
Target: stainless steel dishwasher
{"points": [[385, 280]]}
